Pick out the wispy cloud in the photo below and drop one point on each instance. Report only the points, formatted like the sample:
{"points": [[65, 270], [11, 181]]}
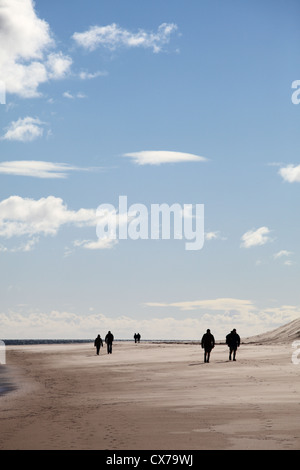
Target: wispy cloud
{"points": [[214, 236], [27, 55], [210, 304], [282, 253], [285, 256], [290, 173], [24, 130], [256, 237], [71, 96], [38, 169], [83, 75], [157, 157], [113, 36], [99, 244]]}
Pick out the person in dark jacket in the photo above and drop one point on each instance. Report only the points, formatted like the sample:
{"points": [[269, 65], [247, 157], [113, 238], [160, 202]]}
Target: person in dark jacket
{"points": [[98, 343], [207, 343], [233, 342], [109, 341]]}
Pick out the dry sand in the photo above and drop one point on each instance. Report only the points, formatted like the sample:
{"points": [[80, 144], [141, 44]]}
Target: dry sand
{"points": [[150, 397]]}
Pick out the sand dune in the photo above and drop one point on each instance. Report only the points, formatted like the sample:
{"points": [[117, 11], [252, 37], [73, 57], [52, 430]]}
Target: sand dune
{"points": [[283, 334], [151, 397]]}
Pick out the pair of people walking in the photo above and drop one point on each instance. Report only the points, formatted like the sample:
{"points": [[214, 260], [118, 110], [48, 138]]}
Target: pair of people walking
{"points": [[98, 343], [208, 343]]}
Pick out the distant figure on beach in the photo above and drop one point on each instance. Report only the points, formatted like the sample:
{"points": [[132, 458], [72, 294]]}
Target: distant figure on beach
{"points": [[207, 343], [137, 337], [233, 342], [109, 341], [98, 343]]}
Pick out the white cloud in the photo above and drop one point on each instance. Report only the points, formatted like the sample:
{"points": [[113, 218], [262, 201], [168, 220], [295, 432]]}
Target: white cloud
{"points": [[24, 130], [290, 173], [25, 57], [226, 304], [157, 157], [285, 256], [99, 244], [256, 237], [223, 314], [282, 253], [23, 216], [23, 247], [214, 236], [113, 36], [38, 169], [69, 95], [63, 324], [58, 65], [88, 76]]}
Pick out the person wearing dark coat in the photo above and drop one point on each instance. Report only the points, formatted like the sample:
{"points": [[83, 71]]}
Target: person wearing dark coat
{"points": [[207, 343], [98, 343], [233, 342], [109, 341]]}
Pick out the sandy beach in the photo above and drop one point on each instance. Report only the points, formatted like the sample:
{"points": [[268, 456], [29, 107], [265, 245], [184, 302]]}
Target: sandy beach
{"points": [[150, 396]]}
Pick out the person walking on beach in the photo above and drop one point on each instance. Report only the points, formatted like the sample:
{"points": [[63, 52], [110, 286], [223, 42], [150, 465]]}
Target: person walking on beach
{"points": [[109, 341], [233, 342], [207, 343], [98, 343]]}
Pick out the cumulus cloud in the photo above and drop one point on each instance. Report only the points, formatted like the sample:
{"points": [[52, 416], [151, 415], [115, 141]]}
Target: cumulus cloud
{"points": [[157, 157], [223, 314], [113, 36], [38, 169], [290, 173], [66, 325], [256, 237], [24, 130], [23, 216], [58, 65], [27, 58]]}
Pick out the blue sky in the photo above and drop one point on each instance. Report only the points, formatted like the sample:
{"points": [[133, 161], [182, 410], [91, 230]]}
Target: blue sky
{"points": [[89, 83]]}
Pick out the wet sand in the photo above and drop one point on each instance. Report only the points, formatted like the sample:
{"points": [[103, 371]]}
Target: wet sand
{"points": [[150, 397]]}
